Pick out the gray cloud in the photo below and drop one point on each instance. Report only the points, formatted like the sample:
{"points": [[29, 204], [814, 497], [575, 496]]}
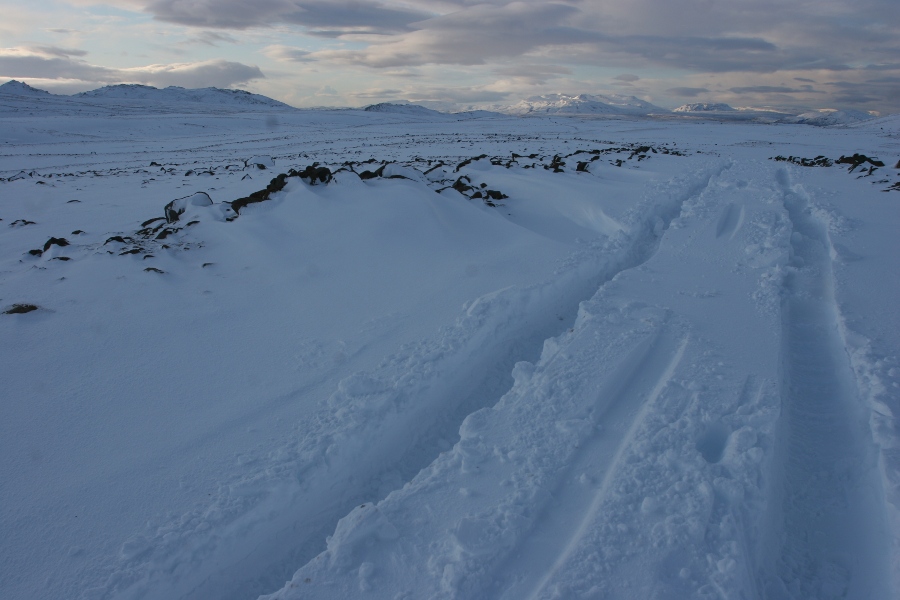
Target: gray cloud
{"points": [[57, 51], [533, 74], [287, 53], [212, 38], [16, 63], [627, 77], [766, 89], [213, 73], [339, 15], [687, 92], [25, 63]]}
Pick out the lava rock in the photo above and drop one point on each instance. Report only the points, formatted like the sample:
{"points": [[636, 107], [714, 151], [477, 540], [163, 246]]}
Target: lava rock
{"points": [[55, 242]]}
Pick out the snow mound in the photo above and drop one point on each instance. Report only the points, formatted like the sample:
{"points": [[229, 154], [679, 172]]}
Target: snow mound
{"points": [[585, 104], [703, 107], [19, 88], [826, 118]]}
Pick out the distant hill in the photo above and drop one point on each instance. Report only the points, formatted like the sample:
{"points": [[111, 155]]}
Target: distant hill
{"points": [[704, 107], [402, 109], [584, 104], [210, 95], [18, 88], [422, 111], [825, 118]]}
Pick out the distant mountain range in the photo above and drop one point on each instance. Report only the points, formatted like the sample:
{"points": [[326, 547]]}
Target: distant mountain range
{"points": [[703, 107], [584, 104], [135, 97], [21, 98], [824, 118]]}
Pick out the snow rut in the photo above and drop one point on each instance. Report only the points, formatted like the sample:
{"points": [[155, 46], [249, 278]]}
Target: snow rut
{"points": [[825, 535], [621, 410], [388, 424]]}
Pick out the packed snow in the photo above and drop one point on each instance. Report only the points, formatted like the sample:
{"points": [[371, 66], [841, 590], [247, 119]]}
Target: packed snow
{"points": [[395, 354]]}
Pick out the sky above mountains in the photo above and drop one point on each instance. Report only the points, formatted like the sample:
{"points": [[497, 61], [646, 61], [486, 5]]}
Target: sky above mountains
{"points": [[463, 53]]}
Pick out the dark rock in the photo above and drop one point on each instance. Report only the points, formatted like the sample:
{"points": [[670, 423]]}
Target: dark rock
{"points": [[153, 220], [21, 223], [118, 238], [857, 160], [19, 309], [153, 270], [77, 232], [55, 242], [819, 161], [556, 165], [372, 174], [462, 187], [36, 252], [314, 174], [62, 258]]}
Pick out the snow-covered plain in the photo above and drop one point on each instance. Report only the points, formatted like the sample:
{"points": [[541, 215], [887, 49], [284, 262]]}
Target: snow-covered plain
{"points": [[643, 360]]}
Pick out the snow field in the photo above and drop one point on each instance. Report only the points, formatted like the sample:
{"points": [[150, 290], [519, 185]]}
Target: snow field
{"points": [[664, 380]]}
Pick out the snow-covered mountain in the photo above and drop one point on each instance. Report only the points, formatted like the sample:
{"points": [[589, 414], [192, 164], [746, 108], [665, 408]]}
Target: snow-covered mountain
{"points": [[418, 110], [584, 104], [133, 98], [402, 109], [825, 118], [703, 107], [19, 88], [210, 95]]}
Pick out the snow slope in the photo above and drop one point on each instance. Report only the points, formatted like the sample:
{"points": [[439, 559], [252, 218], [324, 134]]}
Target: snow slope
{"points": [[516, 358]]}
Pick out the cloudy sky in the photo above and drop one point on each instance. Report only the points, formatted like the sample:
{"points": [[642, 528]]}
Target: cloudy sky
{"points": [[795, 53]]}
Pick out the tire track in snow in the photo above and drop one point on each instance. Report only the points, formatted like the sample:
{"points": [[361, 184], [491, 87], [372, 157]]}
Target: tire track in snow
{"points": [[622, 407], [390, 423], [825, 532]]}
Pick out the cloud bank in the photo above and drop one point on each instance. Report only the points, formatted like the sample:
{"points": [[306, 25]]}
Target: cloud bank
{"points": [[747, 52], [57, 64]]}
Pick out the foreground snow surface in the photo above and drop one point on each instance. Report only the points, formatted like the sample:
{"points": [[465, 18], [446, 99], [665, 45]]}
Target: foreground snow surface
{"points": [[663, 367]]}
